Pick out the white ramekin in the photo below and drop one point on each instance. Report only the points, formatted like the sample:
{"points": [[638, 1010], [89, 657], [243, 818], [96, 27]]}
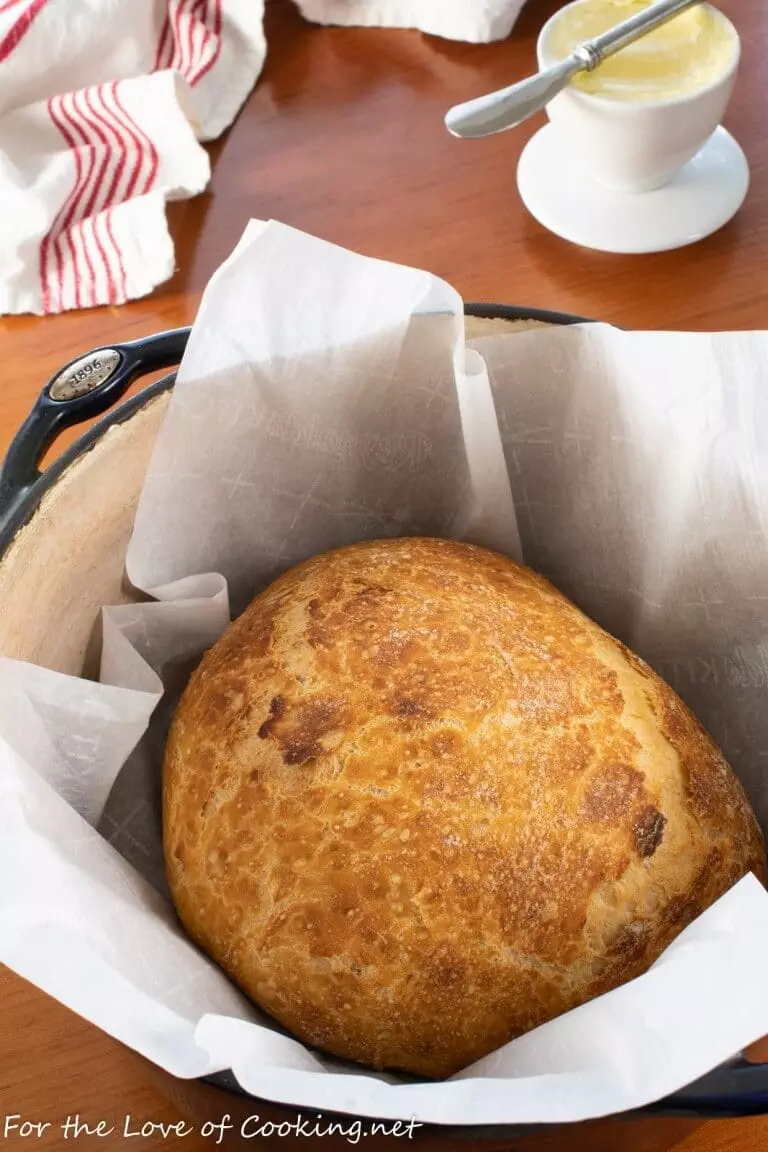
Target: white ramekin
{"points": [[635, 147]]}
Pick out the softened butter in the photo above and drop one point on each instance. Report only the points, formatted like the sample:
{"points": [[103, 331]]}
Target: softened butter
{"points": [[688, 53]]}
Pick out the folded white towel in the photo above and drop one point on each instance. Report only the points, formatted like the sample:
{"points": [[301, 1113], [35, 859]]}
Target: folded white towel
{"points": [[86, 168], [477, 21]]}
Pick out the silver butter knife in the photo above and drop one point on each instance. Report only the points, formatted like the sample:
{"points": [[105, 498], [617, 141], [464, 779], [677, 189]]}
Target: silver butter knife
{"points": [[511, 106]]}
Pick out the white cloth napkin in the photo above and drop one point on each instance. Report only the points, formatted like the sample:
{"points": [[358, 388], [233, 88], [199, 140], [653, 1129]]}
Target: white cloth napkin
{"points": [[103, 104], [477, 21]]}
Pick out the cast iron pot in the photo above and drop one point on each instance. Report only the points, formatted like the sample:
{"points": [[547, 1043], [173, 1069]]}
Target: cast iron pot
{"points": [[63, 539]]}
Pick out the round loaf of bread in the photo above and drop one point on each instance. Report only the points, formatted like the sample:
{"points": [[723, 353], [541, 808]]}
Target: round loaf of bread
{"points": [[416, 803]]}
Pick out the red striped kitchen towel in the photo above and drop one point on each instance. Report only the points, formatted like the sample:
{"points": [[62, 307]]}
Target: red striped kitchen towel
{"points": [[86, 168]]}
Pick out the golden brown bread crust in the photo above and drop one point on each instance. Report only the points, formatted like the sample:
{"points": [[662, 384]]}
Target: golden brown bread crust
{"points": [[415, 804]]}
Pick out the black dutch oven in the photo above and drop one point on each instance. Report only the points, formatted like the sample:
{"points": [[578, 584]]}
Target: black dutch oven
{"points": [[90, 386]]}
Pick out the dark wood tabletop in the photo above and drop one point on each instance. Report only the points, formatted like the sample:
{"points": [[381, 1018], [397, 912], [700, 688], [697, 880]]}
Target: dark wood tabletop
{"points": [[343, 137]]}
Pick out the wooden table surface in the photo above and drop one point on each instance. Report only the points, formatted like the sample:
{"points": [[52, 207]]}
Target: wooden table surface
{"points": [[343, 137]]}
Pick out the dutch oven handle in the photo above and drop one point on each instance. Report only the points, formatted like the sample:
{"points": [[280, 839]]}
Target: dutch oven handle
{"points": [[84, 388]]}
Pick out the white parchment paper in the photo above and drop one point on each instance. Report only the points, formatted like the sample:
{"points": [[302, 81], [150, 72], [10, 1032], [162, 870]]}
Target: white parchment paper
{"points": [[326, 398]]}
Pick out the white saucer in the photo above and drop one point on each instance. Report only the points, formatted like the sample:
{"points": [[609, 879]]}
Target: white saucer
{"points": [[704, 196]]}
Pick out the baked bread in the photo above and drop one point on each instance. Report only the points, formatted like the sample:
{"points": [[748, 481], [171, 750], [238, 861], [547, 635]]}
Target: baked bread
{"points": [[415, 804]]}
